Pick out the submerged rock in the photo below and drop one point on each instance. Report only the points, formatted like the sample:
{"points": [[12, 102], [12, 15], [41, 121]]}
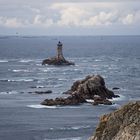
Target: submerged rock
{"points": [[123, 124], [37, 87], [92, 87], [58, 59], [115, 88], [41, 92]]}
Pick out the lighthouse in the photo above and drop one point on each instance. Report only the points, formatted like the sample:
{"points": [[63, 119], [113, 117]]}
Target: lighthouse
{"points": [[58, 59], [59, 51]]}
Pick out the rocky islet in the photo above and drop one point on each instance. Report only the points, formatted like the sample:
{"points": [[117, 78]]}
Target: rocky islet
{"points": [[92, 87]]}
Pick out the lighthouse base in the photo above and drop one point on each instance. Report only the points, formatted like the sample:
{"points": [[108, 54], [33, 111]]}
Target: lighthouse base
{"points": [[56, 61]]}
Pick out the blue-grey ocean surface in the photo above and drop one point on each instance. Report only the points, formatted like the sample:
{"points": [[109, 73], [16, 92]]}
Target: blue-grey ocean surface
{"points": [[116, 58]]}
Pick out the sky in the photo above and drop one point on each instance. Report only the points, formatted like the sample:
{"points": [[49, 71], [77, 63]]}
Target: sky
{"points": [[70, 17]]}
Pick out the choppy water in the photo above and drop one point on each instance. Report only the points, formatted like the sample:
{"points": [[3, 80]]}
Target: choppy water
{"points": [[22, 117]]}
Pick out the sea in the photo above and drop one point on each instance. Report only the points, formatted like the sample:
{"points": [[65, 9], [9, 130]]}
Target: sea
{"points": [[22, 117]]}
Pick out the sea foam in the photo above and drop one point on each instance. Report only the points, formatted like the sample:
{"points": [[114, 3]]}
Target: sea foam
{"points": [[17, 80], [20, 70], [38, 106], [8, 92], [122, 97], [90, 100], [25, 60], [41, 106], [4, 61]]}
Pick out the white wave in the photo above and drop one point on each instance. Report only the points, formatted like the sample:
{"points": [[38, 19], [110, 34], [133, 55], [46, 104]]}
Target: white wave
{"points": [[122, 97], [25, 60], [21, 70], [51, 107], [12, 92], [39, 82], [4, 93], [4, 61], [9, 92], [37, 87], [90, 100], [45, 70], [62, 79], [21, 80], [77, 69], [97, 60], [17, 80], [80, 127], [41, 106], [39, 64], [76, 65], [26, 80], [40, 86], [57, 86]]}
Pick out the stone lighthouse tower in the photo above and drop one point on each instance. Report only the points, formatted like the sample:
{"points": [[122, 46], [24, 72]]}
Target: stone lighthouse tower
{"points": [[59, 51], [58, 59]]}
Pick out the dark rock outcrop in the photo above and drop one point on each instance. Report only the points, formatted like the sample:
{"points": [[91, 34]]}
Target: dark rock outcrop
{"points": [[123, 124], [115, 88], [41, 92], [58, 59], [92, 87], [71, 100], [37, 87]]}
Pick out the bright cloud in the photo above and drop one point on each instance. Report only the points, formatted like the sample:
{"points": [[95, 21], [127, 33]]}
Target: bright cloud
{"points": [[129, 19], [91, 14], [72, 15], [40, 20], [12, 22]]}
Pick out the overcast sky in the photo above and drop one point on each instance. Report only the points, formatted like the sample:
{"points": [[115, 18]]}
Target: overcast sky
{"points": [[70, 17]]}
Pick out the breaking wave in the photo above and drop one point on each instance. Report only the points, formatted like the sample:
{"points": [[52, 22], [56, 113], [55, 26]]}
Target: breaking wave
{"points": [[18, 80], [25, 60], [121, 98], [38, 106], [75, 127], [41, 106], [8, 92], [21, 70], [4, 61]]}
